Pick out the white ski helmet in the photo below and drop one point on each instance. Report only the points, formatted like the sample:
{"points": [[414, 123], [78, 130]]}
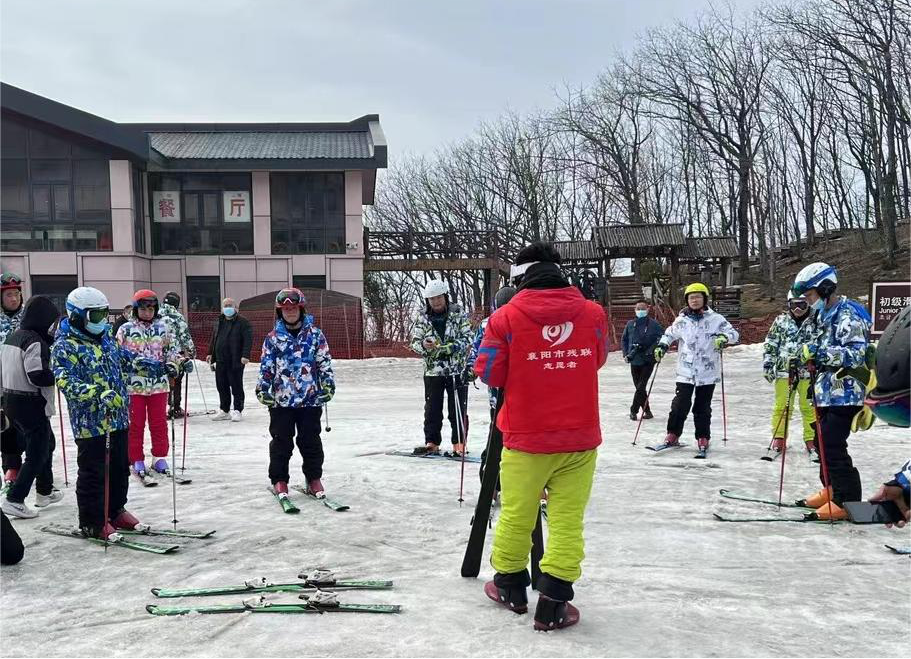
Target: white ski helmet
{"points": [[820, 276], [435, 287], [84, 298]]}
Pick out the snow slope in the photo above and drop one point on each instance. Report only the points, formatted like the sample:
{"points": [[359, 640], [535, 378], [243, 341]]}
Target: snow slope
{"points": [[661, 577]]}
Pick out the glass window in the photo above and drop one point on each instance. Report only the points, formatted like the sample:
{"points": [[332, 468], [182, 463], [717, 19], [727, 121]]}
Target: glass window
{"points": [[204, 293], [201, 226], [139, 232], [51, 201], [56, 287], [309, 281], [14, 196], [308, 213]]}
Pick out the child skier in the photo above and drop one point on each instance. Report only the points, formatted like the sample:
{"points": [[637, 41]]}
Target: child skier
{"points": [[11, 310], [152, 359], [702, 335], [183, 343], [781, 368], [295, 381], [28, 400], [838, 341], [87, 366]]}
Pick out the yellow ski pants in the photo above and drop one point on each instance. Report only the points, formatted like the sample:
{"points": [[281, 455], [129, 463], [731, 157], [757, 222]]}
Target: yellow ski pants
{"points": [[806, 408]]}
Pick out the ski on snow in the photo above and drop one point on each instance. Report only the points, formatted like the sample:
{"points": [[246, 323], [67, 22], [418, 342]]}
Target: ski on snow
{"points": [[179, 533], [145, 478], [284, 501], [326, 501], [807, 519], [319, 602], [727, 494], [166, 476], [664, 447], [116, 540], [262, 585], [436, 456], [904, 551]]}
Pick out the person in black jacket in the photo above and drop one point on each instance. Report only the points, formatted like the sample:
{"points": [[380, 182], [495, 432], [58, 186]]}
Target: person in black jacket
{"points": [[123, 319], [638, 344], [229, 352], [28, 400], [11, 549]]}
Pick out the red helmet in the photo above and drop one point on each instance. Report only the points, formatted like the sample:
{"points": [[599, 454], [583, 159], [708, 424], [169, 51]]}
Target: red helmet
{"points": [[145, 295], [9, 280]]}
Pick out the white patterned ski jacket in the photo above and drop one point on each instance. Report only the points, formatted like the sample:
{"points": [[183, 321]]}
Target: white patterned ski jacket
{"points": [[697, 359]]}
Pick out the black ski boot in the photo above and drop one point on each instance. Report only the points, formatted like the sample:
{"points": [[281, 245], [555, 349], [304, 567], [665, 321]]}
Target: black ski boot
{"points": [[554, 610], [427, 449]]}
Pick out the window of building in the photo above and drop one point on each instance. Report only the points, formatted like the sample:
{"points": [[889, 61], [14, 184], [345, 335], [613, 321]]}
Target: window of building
{"points": [[56, 287], [204, 213], [308, 213], [309, 281], [139, 229], [204, 293], [56, 191]]}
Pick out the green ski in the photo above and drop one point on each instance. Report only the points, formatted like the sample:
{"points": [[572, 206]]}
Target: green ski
{"points": [[802, 520], [329, 503], [320, 602], [180, 533], [264, 586], [119, 542], [285, 501]]}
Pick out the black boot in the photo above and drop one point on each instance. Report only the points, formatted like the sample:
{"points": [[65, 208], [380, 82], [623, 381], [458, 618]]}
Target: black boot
{"points": [[554, 614], [510, 590]]}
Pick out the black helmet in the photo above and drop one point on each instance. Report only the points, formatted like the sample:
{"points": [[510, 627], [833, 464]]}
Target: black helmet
{"points": [[171, 298], [889, 400]]}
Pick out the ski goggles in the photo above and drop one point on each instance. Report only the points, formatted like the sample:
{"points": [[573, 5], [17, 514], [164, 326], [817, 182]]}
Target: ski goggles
{"points": [[289, 298], [147, 303], [97, 315], [891, 408], [798, 305], [9, 280]]}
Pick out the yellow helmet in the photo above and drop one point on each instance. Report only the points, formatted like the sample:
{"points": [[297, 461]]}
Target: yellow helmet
{"points": [[697, 287]]}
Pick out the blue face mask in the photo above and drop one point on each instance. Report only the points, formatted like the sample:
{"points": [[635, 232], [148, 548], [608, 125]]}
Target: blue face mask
{"points": [[641, 313], [96, 328], [228, 311], [819, 305]]}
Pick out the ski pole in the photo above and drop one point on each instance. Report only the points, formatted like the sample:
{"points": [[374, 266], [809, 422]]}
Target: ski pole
{"points": [[811, 366], [66, 478], [186, 415], [203, 392], [458, 410], [173, 476], [645, 405], [326, 409], [107, 476], [724, 408], [792, 386]]}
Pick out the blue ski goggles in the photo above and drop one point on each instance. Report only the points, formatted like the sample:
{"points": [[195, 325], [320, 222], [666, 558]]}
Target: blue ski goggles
{"points": [[891, 408]]}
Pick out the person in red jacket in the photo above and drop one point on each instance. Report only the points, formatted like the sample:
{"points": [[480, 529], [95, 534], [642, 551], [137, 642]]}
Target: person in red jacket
{"points": [[544, 348]]}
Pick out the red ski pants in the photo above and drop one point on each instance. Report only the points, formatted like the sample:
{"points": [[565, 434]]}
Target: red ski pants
{"points": [[154, 407]]}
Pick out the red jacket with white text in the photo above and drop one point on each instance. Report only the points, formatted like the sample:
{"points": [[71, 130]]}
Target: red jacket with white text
{"points": [[545, 347]]}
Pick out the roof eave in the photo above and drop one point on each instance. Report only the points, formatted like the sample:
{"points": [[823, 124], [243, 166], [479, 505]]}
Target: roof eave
{"points": [[269, 164]]}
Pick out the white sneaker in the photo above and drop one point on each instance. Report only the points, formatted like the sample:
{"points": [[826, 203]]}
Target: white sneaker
{"points": [[236, 415], [221, 416], [17, 509], [42, 500]]}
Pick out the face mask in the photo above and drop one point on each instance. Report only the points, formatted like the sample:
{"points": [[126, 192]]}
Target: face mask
{"points": [[641, 313], [96, 328], [228, 311], [818, 305]]}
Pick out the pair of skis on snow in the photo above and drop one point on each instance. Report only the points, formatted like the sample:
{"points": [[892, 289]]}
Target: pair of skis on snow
{"points": [[291, 508], [147, 480], [701, 453], [125, 537], [315, 594]]}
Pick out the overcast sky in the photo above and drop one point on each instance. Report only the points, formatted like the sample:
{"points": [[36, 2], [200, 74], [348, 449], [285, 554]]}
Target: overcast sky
{"points": [[432, 69]]}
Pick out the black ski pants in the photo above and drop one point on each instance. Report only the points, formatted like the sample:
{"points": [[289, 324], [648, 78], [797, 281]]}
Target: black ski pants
{"points": [[11, 448], [283, 423], [835, 426], [435, 387], [229, 381], [90, 481], [175, 397], [11, 549], [39, 442], [702, 409], [641, 374]]}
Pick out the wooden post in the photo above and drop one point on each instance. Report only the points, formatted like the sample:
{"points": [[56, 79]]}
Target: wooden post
{"points": [[675, 283]]}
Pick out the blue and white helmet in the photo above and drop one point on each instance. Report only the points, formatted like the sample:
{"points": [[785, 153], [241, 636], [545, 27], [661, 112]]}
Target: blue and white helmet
{"points": [[84, 298], [820, 276]]}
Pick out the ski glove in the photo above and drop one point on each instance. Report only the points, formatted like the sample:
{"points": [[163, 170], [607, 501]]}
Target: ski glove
{"points": [[265, 398], [769, 374], [326, 393], [660, 350], [171, 370], [444, 351], [111, 399], [187, 366], [808, 352], [721, 342], [148, 367]]}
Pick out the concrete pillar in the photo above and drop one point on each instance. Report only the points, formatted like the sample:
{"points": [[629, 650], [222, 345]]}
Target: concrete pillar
{"points": [[262, 214], [121, 206]]}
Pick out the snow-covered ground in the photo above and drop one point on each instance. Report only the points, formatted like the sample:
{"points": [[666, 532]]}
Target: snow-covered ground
{"points": [[661, 577]]}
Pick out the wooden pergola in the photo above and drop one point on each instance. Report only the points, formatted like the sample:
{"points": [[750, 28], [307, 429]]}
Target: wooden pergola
{"points": [[405, 251]]}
